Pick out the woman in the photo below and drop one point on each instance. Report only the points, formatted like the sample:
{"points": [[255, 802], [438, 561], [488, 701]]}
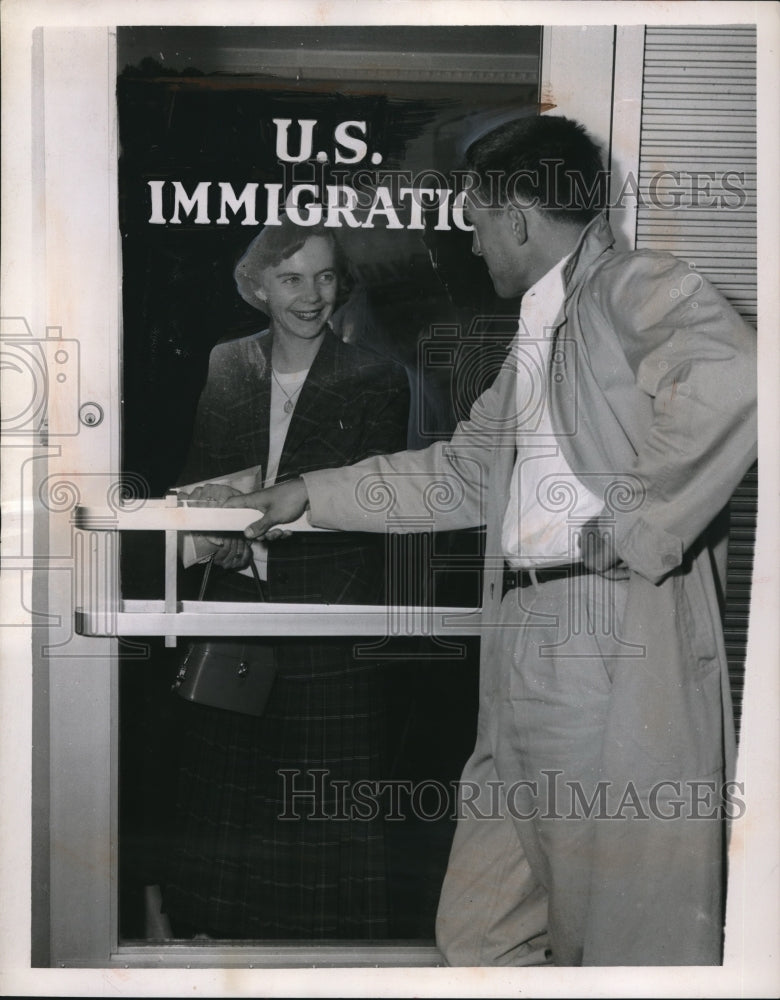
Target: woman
{"points": [[289, 399]]}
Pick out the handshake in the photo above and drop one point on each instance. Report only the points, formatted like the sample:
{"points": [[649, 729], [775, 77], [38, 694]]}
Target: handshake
{"points": [[279, 507], [283, 505]]}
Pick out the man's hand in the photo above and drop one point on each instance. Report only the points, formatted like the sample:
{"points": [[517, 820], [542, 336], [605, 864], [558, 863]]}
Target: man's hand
{"points": [[280, 504], [597, 540]]}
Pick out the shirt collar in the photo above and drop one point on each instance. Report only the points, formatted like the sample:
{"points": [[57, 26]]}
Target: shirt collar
{"points": [[557, 285], [542, 303], [595, 238], [550, 281]]}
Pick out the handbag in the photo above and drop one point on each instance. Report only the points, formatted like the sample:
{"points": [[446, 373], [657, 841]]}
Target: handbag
{"points": [[232, 674]]}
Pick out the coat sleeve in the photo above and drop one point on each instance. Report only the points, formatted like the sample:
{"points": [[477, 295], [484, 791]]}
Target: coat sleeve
{"points": [[695, 357], [443, 487]]}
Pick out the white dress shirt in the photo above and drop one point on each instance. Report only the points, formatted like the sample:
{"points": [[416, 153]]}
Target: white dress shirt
{"points": [[547, 503]]}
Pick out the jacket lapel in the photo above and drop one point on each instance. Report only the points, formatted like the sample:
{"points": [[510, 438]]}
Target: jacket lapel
{"points": [[315, 399], [258, 360]]}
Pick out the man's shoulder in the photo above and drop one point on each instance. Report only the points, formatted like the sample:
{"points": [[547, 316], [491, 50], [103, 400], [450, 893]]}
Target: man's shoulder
{"points": [[641, 278], [636, 264]]}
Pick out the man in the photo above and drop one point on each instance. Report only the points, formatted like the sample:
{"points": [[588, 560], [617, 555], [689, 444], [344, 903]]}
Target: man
{"points": [[590, 825]]}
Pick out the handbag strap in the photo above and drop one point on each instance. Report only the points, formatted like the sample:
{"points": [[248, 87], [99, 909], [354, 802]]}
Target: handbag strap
{"points": [[207, 573]]}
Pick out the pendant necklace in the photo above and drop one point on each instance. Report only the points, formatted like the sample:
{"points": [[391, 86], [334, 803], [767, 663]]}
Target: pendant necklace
{"points": [[289, 403]]}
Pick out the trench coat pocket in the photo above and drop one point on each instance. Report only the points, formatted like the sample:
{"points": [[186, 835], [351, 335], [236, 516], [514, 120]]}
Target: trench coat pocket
{"points": [[695, 625], [664, 720]]}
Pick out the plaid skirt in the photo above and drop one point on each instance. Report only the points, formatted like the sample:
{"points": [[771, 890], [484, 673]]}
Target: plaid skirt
{"points": [[269, 843]]}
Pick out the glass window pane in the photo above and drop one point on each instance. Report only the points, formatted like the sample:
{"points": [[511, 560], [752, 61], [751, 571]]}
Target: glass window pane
{"points": [[216, 127]]}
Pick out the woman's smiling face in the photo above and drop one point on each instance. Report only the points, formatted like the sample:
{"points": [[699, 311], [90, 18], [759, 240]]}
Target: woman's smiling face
{"points": [[299, 294]]}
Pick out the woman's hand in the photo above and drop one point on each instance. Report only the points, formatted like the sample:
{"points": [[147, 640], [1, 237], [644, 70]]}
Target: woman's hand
{"points": [[280, 504], [234, 552], [210, 495]]}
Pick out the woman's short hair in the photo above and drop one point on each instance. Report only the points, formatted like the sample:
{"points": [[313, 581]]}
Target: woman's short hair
{"points": [[275, 244]]}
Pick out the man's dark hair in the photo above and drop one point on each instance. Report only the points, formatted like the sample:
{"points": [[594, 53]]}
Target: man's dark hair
{"points": [[542, 161]]}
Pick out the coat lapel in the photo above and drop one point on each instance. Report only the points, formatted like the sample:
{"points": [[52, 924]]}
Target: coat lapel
{"points": [[573, 390], [315, 400], [258, 360]]}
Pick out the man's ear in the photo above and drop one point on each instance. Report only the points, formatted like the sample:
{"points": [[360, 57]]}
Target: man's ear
{"points": [[518, 223]]}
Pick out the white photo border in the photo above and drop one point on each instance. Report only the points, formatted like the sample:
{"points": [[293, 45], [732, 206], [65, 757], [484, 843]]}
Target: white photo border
{"points": [[751, 965]]}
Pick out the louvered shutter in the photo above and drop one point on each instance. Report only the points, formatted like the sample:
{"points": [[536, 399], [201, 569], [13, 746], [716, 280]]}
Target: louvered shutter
{"points": [[699, 119]]}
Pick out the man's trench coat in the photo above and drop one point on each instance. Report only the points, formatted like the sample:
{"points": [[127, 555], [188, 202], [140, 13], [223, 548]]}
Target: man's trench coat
{"points": [[652, 384]]}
